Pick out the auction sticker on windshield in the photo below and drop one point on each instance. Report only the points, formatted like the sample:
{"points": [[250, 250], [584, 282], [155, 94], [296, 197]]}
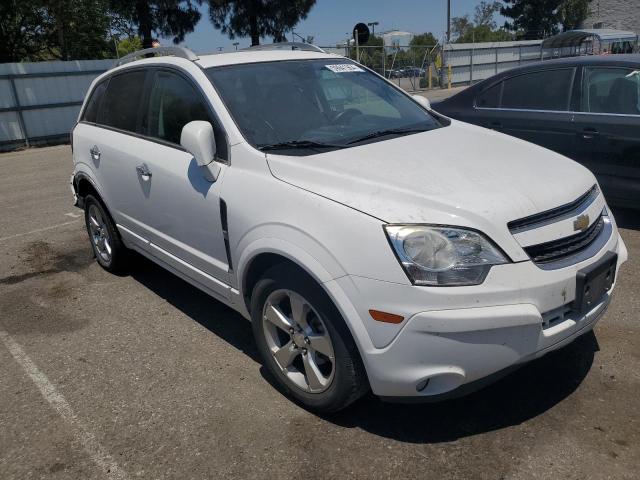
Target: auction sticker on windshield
{"points": [[344, 68]]}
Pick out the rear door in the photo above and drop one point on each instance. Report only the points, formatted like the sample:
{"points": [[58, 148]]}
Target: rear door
{"points": [[114, 147], [608, 130], [534, 106]]}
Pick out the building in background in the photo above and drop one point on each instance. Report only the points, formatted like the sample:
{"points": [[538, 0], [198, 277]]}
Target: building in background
{"points": [[617, 14], [396, 38]]}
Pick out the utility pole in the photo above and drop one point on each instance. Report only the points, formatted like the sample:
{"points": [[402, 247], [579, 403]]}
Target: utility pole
{"points": [[448, 21]]}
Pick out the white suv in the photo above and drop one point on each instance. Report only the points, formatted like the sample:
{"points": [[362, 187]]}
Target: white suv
{"points": [[373, 243]]}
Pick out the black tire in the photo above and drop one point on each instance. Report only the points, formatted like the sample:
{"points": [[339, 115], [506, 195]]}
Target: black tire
{"points": [[349, 380], [119, 253]]}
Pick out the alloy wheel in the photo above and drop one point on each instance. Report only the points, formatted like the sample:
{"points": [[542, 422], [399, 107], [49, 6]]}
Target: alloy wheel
{"points": [[299, 341], [99, 234]]}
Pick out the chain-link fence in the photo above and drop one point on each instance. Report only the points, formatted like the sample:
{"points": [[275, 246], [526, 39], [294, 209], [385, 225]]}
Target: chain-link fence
{"points": [[414, 67]]}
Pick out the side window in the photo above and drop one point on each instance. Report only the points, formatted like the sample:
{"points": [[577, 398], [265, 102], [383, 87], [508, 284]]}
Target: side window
{"points": [[122, 100], [173, 102], [91, 110], [489, 98], [544, 90], [611, 90]]}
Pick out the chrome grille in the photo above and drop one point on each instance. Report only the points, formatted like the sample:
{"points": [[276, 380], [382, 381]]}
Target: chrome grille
{"points": [[555, 214], [567, 246]]}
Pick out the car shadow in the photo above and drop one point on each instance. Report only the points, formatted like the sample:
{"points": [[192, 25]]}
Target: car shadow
{"points": [[213, 315], [516, 398], [520, 396], [626, 217]]}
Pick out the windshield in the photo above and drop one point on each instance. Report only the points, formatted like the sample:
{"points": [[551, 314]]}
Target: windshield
{"points": [[307, 106]]}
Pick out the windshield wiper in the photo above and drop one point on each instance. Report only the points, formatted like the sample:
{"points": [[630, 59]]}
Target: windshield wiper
{"points": [[390, 131], [294, 144]]}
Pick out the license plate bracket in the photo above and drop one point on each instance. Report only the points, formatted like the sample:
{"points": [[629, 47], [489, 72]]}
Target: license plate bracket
{"points": [[594, 281]]}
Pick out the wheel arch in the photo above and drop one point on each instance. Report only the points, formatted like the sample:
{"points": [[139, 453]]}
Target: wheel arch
{"points": [[263, 253], [84, 185], [253, 265]]}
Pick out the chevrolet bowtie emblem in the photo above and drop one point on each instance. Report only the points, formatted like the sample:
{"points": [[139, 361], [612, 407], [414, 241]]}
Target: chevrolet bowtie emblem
{"points": [[581, 223]]}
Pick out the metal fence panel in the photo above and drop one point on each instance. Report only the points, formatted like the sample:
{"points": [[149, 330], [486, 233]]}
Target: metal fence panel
{"points": [[469, 63], [10, 127], [6, 94], [43, 91], [50, 122], [40, 101]]}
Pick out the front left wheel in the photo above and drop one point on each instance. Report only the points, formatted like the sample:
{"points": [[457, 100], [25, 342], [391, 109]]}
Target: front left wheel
{"points": [[304, 341]]}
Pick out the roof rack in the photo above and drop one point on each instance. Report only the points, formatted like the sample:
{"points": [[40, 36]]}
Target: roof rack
{"points": [[287, 46], [160, 52]]}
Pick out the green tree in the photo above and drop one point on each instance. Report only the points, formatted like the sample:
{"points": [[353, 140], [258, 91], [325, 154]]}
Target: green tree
{"points": [[129, 45], [71, 35], [485, 14], [483, 33], [483, 28], [421, 45], [32, 30], [166, 18], [460, 26], [23, 32], [544, 17], [573, 12], [258, 18]]}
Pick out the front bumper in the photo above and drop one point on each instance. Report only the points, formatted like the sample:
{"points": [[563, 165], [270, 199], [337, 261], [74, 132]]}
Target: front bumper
{"points": [[463, 334]]}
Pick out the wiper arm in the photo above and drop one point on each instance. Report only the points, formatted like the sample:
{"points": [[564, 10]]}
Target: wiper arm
{"points": [[391, 131], [293, 144]]}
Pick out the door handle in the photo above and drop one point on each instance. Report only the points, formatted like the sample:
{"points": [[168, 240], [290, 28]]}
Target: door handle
{"points": [[143, 171], [589, 133], [95, 153]]}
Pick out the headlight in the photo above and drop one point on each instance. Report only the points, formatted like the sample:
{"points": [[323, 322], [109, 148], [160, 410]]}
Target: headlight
{"points": [[443, 255]]}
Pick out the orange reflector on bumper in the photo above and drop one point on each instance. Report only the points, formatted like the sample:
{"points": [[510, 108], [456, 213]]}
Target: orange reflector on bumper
{"points": [[385, 317]]}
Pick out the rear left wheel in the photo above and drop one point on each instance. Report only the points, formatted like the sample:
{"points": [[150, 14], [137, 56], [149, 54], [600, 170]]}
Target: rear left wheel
{"points": [[107, 246]]}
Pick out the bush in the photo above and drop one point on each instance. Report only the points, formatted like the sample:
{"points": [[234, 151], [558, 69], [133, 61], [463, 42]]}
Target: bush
{"points": [[424, 83]]}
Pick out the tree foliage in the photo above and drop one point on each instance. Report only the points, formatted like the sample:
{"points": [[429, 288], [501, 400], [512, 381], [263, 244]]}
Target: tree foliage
{"points": [[22, 30], [421, 46], [485, 14], [166, 18], [483, 28], [258, 18], [78, 29], [544, 17], [573, 12], [129, 45], [54, 29]]}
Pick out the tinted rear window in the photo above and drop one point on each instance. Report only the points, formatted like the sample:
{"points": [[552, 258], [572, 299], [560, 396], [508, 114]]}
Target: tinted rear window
{"points": [[611, 90], [122, 100], [545, 90], [91, 111]]}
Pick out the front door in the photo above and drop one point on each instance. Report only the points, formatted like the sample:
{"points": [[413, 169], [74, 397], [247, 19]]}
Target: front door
{"points": [[608, 131], [181, 207]]}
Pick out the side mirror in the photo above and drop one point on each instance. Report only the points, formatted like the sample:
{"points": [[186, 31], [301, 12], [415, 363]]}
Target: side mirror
{"points": [[197, 138], [424, 101]]}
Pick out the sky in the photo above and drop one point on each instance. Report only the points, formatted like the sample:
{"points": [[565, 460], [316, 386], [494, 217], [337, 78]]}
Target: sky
{"points": [[330, 20]]}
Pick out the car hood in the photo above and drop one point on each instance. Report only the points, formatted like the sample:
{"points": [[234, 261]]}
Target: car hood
{"points": [[456, 175]]}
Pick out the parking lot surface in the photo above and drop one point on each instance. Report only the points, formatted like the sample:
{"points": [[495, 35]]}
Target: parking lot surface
{"points": [[143, 376]]}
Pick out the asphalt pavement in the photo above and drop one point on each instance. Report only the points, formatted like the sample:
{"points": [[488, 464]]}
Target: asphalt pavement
{"points": [[143, 376]]}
